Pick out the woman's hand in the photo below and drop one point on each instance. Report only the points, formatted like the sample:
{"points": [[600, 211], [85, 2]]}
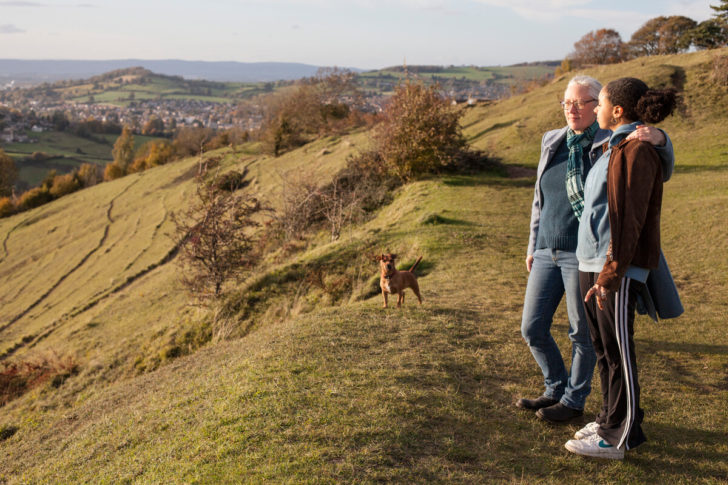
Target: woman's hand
{"points": [[599, 292], [529, 262], [650, 134]]}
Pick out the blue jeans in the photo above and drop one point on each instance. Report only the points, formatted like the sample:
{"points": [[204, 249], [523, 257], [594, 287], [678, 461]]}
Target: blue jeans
{"points": [[554, 273]]}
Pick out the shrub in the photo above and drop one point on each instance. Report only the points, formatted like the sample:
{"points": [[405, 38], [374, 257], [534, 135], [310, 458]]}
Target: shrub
{"points": [[17, 378], [232, 181], [64, 184], [7, 208], [216, 244], [88, 174], [420, 132], [300, 206], [113, 171], [34, 198]]}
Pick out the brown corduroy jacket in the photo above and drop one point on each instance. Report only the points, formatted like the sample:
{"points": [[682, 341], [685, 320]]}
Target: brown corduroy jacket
{"points": [[634, 192]]}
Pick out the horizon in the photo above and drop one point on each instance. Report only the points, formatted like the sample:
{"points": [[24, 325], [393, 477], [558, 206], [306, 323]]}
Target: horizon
{"points": [[321, 32]]}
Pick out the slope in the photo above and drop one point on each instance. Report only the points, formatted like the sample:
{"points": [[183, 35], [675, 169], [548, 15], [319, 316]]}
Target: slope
{"points": [[353, 392]]}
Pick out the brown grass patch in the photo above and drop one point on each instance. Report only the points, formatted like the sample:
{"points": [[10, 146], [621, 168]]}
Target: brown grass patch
{"points": [[17, 378]]}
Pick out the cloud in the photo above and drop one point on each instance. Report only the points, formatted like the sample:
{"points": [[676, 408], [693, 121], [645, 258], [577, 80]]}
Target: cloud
{"points": [[544, 10], [10, 29], [21, 4], [36, 4]]}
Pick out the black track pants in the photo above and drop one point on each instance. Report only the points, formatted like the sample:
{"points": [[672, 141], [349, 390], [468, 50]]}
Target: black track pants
{"points": [[612, 331]]}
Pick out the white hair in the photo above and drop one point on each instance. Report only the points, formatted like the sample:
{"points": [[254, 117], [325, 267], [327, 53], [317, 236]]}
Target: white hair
{"points": [[588, 82]]}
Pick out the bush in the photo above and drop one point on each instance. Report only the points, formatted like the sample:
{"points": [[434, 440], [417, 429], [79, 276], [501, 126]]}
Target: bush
{"points": [[7, 208], [16, 378], [113, 171], [420, 132], [216, 244], [35, 197], [64, 184], [88, 174], [232, 181]]}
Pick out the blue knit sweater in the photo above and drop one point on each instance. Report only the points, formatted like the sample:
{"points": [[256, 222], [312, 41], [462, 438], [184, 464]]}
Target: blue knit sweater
{"points": [[559, 226]]}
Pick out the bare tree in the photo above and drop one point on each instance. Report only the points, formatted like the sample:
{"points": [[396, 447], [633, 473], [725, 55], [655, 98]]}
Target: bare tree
{"points": [[216, 238]]}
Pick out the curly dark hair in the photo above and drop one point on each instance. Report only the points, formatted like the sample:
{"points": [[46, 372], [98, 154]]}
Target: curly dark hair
{"points": [[639, 101]]}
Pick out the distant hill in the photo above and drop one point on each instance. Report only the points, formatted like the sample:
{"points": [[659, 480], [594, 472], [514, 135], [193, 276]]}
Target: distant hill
{"points": [[24, 70]]}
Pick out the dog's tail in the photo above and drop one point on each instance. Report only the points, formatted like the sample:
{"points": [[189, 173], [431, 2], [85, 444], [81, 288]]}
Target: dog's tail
{"points": [[415, 265]]}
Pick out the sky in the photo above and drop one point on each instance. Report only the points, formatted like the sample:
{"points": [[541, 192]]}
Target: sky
{"points": [[366, 34]]}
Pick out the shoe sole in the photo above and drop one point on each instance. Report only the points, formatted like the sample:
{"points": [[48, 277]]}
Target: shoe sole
{"points": [[608, 456]]}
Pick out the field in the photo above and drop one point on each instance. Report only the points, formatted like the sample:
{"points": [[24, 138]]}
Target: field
{"points": [[120, 91], [66, 152], [318, 387]]}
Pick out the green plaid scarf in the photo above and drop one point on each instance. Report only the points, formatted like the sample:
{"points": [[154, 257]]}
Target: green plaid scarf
{"points": [[574, 183]]}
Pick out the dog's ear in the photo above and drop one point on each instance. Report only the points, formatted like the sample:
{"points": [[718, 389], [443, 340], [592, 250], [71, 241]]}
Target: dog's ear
{"points": [[393, 256], [378, 257]]}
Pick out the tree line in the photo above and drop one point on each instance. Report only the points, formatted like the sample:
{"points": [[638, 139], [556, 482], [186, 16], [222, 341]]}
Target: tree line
{"points": [[660, 35]]}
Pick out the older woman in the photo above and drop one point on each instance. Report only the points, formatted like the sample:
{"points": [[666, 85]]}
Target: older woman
{"points": [[618, 245], [567, 154]]}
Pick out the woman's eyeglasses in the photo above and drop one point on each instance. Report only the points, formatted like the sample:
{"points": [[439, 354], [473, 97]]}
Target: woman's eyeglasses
{"points": [[578, 104]]}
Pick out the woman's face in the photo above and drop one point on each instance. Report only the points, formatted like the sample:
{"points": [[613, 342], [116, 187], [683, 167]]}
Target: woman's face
{"points": [[577, 96], [604, 111]]}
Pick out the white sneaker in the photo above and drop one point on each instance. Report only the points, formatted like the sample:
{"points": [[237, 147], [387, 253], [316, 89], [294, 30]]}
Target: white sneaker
{"points": [[595, 446], [587, 430]]}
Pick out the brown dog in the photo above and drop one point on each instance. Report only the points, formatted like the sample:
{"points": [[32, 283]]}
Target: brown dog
{"points": [[393, 281]]}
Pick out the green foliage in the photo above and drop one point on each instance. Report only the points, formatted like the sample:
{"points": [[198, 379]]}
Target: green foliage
{"points": [[721, 10], [710, 34], [419, 132], [662, 35]]}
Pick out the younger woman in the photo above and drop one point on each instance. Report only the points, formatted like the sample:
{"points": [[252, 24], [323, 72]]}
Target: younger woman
{"points": [[618, 244]]}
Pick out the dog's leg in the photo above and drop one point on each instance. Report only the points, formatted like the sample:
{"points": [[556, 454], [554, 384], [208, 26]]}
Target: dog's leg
{"points": [[416, 290], [384, 294], [400, 299]]}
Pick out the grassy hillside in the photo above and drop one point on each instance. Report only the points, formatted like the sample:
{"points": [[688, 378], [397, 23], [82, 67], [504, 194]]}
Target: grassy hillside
{"points": [[324, 393]]}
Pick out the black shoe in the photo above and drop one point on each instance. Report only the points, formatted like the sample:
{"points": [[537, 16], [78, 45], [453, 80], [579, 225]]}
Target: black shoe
{"points": [[558, 413], [535, 404]]}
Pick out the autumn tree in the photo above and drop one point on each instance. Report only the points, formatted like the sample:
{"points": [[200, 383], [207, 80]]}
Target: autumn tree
{"points": [[216, 238], [154, 126], [419, 133], [123, 151], [662, 35], [312, 107], [603, 46], [8, 174]]}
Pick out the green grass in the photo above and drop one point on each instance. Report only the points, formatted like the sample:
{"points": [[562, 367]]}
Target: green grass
{"points": [[332, 390]]}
